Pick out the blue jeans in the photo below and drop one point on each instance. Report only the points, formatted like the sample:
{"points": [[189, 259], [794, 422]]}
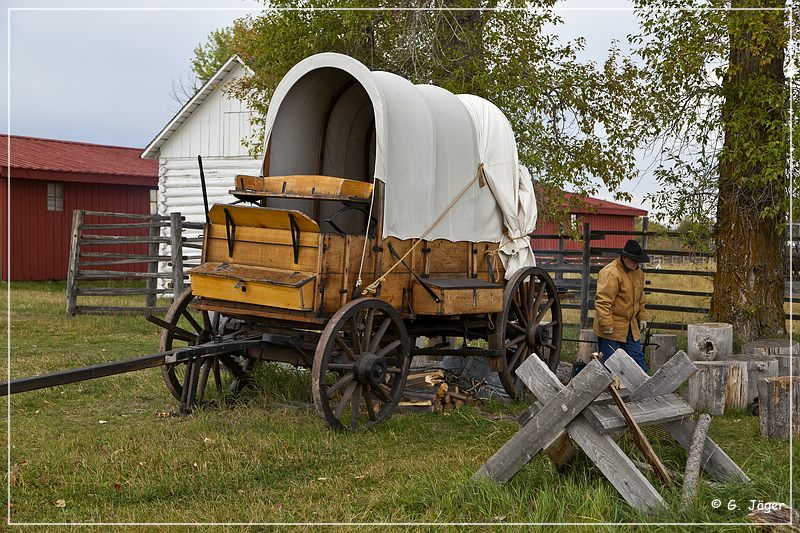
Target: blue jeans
{"points": [[631, 347]]}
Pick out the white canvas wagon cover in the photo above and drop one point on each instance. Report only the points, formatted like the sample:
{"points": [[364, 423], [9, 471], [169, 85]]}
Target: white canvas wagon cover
{"points": [[333, 116]]}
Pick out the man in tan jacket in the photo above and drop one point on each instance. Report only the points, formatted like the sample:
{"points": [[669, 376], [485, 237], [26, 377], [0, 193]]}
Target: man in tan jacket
{"points": [[619, 304]]}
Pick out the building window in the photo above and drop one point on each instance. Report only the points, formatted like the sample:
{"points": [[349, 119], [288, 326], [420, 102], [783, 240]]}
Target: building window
{"points": [[55, 196], [153, 201]]}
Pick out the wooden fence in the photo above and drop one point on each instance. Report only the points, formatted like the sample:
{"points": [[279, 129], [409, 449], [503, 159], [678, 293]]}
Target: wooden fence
{"points": [[124, 247], [588, 261]]}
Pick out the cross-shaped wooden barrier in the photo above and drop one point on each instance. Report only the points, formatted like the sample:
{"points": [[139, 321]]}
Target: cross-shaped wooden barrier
{"points": [[588, 415]]}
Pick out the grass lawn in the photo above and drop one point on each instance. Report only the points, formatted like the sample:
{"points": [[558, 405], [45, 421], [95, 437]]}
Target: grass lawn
{"points": [[108, 451]]}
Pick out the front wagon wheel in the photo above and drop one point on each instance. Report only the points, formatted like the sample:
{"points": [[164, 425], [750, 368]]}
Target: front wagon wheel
{"points": [[360, 365], [219, 375]]}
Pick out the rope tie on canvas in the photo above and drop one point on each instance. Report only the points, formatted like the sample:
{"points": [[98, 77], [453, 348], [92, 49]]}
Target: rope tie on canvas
{"points": [[372, 288]]}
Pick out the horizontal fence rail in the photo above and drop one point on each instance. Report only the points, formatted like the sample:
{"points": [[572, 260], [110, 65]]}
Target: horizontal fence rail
{"points": [[575, 272], [124, 247]]}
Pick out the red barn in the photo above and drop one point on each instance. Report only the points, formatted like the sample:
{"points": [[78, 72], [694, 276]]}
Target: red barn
{"points": [[601, 214], [44, 180]]}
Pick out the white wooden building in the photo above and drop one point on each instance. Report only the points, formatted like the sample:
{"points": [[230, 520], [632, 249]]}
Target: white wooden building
{"points": [[215, 126]]}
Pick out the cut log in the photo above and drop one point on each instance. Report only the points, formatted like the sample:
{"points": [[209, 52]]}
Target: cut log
{"points": [[772, 347], [710, 341], [664, 347], [758, 368], [586, 346], [718, 385], [773, 407], [785, 361], [692, 472]]}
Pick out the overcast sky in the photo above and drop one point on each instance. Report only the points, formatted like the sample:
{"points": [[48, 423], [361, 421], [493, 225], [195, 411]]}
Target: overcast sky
{"points": [[105, 75]]}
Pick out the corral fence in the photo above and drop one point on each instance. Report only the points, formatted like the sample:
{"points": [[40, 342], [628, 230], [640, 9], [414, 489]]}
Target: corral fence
{"points": [[123, 247], [575, 272]]}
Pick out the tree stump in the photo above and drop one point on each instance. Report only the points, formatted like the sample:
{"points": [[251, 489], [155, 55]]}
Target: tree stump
{"points": [[780, 349], [587, 346], [758, 368], [773, 407], [718, 385], [666, 347], [709, 342]]}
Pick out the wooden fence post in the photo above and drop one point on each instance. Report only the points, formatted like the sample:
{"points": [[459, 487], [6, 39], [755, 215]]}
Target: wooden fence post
{"points": [[152, 265], [645, 227], [585, 274], [176, 248], [74, 259]]}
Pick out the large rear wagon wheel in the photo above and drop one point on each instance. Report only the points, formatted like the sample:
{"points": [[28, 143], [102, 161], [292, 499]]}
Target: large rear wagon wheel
{"points": [[219, 375], [530, 323], [360, 365]]}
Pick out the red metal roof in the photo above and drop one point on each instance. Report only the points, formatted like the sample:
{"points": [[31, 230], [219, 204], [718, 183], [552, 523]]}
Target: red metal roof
{"points": [[579, 205], [55, 160]]}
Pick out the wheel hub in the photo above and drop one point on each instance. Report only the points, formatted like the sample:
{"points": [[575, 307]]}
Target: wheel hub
{"points": [[370, 369], [537, 335]]}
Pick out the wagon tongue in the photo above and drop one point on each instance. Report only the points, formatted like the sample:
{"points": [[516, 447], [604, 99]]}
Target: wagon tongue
{"points": [[113, 368]]}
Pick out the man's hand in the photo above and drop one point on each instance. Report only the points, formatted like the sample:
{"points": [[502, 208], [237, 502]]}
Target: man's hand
{"points": [[609, 331], [642, 325]]}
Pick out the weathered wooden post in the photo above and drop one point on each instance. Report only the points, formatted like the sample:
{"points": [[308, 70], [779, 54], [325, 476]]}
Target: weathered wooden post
{"points": [[586, 346], [665, 346], [718, 385], [781, 349], [586, 273], [176, 249], [152, 265], [74, 259], [758, 367], [710, 341], [773, 407]]}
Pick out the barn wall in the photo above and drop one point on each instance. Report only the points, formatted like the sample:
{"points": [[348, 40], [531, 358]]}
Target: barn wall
{"points": [[215, 129], [40, 239], [598, 222]]}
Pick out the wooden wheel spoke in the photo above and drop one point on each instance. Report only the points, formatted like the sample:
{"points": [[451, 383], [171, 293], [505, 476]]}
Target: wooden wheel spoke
{"points": [[540, 292], [215, 322], [339, 384], [201, 388], [523, 299], [378, 337], [550, 346], [518, 310], [515, 340], [388, 348], [343, 345], [206, 321], [355, 334], [197, 327], [514, 360], [518, 327], [348, 392], [368, 329], [182, 334], [341, 366], [381, 391], [393, 370], [217, 375], [355, 404], [370, 406], [544, 309]]}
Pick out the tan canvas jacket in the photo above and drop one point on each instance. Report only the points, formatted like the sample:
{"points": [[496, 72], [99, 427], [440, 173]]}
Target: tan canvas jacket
{"points": [[619, 302]]}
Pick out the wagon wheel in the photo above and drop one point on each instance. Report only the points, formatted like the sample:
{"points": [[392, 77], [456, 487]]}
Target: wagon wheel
{"points": [[218, 374], [360, 365], [530, 323]]}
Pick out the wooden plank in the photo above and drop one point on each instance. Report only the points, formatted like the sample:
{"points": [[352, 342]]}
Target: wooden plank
{"points": [[74, 256], [715, 461], [124, 215], [114, 255], [104, 274], [118, 291], [127, 225], [266, 255], [112, 310], [547, 425], [305, 186], [95, 240], [262, 217], [272, 276], [298, 298], [239, 309], [608, 418], [601, 449], [667, 379], [263, 235]]}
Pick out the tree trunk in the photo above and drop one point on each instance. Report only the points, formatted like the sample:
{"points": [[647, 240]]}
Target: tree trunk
{"points": [[773, 407], [751, 207]]}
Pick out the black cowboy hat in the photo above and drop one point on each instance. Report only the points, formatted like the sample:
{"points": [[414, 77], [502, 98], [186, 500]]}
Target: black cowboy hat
{"points": [[634, 252]]}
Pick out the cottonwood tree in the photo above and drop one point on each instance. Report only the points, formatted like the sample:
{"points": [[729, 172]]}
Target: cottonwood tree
{"points": [[570, 116], [716, 107]]}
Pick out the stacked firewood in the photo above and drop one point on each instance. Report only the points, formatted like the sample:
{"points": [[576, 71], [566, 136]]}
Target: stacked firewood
{"points": [[433, 390]]}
